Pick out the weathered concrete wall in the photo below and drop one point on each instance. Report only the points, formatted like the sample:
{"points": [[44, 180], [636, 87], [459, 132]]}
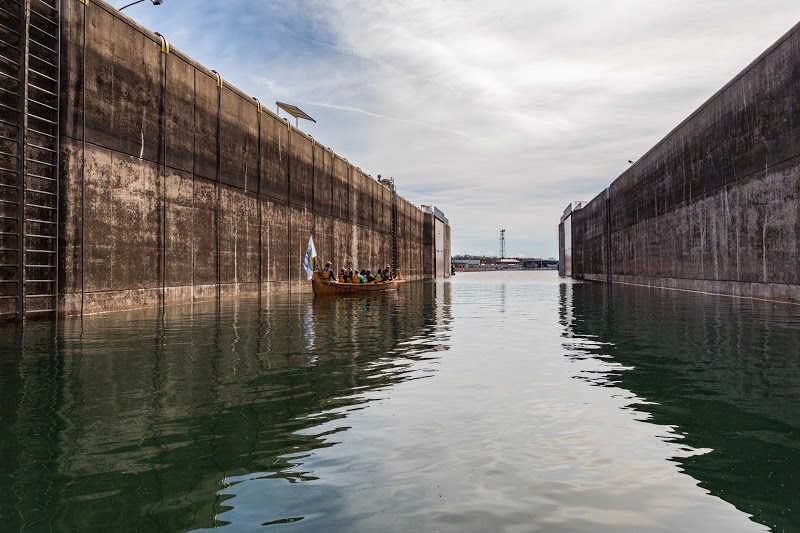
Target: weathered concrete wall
{"points": [[177, 186], [590, 248], [714, 206]]}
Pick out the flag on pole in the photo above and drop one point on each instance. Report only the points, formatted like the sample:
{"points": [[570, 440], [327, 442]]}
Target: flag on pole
{"points": [[308, 258]]}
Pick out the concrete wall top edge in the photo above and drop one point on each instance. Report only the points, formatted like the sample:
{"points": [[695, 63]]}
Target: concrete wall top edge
{"points": [[151, 35], [794, 29], [601, 197]]}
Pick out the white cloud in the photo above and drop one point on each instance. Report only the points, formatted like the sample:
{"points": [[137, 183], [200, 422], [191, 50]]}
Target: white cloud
{"points": [[500, 113]]}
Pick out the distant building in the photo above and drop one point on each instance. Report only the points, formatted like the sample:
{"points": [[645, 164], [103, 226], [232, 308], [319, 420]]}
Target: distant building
{"points": [[506, 263], [494, 263], [466, 262]]}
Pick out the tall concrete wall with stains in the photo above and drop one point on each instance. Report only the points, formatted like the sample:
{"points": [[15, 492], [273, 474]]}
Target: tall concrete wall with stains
{"points": [[177, 186], [715, 206]]}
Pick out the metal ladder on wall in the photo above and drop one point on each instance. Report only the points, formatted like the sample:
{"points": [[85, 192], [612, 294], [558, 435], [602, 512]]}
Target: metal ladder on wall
{"points": [[29, 157]]}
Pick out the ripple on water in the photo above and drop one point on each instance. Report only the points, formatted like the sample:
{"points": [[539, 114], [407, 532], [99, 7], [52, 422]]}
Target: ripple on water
{"points": [[488, 402]]}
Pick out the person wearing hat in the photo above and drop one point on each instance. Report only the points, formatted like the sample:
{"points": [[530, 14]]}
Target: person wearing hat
{"points": [[328, 274]]}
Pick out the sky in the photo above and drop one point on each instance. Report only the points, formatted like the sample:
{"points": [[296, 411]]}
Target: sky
{"points": [[499, 113]]}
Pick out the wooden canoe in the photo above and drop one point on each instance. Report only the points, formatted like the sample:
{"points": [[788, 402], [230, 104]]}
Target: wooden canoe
{"points": [[343, 289]]}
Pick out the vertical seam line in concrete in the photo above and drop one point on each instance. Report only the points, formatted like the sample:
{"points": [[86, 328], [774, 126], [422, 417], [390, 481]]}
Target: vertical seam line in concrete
{"points": [[194, 170], [165, 57], [21, 156], [351, 217], [194, 180], [609, 275], [219, 192], [258, 206], [333, 199], [289, 206], [313, 185], [83, 160], [58, 247]]}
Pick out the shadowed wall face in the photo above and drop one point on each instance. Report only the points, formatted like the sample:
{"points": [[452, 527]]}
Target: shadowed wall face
{"points": [[714, 206], [176, 186]]}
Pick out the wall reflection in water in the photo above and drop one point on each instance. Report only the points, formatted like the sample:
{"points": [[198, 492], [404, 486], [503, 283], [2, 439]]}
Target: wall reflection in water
{"points": [[139, 418], [723, 372]]}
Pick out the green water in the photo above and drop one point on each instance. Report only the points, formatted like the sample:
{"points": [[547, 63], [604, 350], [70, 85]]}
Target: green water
{"points": [[508, 401]]}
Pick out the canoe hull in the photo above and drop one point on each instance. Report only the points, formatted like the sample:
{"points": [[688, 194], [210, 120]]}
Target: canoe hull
{"points": [[345, 289]]}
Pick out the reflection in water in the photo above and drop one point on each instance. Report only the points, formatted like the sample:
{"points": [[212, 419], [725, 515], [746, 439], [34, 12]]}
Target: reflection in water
{"points": [[556, 408], [722, 373], [140, 418]]}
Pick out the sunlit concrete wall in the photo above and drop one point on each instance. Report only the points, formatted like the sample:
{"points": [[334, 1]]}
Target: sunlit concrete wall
{"points": [[177, 186], [714, 206]]}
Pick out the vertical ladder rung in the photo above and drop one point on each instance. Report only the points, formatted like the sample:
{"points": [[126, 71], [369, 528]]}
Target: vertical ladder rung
{"points": [[37, 132], [10, 30], [8, 58], [43, 17], [37, 206], [12, 93], [41, 89], [9, 76], [9, 13], [41, 147], [16, 125], [30, 160], [42, 74], [48, 106], [37, 191], [45, 4], [37, 28], [45, 120], [43, 60], [30, 175]]}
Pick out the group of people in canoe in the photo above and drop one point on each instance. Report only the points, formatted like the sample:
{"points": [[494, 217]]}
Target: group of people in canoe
{"points": [[351, 275]]}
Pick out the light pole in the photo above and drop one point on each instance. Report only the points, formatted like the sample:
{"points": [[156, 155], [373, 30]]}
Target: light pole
{"points": [[155, 3]]}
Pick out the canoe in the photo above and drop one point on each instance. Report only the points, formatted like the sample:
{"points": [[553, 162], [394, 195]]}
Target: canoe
{"points": [[342, 289]]}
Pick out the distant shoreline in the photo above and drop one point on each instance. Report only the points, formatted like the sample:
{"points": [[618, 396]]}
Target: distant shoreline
{"points": [[493, 268]]}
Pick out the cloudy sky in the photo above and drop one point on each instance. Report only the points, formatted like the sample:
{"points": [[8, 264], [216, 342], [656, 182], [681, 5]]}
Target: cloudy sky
{"points": [[498, 112]]}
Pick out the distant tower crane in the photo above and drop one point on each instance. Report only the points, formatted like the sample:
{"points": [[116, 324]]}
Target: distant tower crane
{"points": [[502, 244]]}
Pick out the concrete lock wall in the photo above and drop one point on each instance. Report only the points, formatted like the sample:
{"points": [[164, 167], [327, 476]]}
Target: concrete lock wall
{"points": [[177, 186], [714, 206]]}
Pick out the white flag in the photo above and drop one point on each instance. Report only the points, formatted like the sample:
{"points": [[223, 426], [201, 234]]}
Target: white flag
{"points": [[308, 258]]}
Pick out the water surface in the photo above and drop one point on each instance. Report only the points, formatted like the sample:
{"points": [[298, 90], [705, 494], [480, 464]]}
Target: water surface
{"points": [[500, 401]]}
